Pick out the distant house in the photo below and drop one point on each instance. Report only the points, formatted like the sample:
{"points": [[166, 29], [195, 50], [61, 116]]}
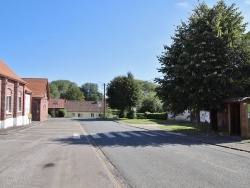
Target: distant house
{"points": [[84, 109], [56, 105], [39, 98], [14, 98]]}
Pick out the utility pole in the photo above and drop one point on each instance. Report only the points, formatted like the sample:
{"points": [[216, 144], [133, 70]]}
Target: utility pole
{"points": [[104, 102]]}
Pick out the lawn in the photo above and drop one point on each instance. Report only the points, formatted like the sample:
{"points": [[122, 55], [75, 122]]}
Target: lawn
{"points": [[171, 125]]}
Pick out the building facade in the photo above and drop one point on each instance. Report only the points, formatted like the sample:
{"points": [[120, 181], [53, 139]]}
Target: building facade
{"points": [[12, 98], [39, 98]]}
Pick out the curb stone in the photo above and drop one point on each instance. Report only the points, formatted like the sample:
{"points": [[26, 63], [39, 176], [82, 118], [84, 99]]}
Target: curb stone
{"points": [[190, 138]]}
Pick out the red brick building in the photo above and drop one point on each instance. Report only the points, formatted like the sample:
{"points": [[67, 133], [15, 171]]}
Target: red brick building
{"points": [[12, 98], [239, 116], [40, 97], [55, 105]]}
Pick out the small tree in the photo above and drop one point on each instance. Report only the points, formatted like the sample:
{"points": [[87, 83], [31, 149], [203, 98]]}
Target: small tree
{"points": [[123, 93]]}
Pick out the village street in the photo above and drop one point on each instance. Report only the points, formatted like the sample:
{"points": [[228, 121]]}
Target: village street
{"points": [[97, 153]]}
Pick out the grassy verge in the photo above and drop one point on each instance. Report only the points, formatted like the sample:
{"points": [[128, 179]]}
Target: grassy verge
{"points": [[174, 125], [144, 121], [246, 141]]}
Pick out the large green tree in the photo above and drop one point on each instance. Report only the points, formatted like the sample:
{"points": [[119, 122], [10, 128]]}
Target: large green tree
{"points": [[123, 92], [207, 62], [62, 87], [91, 93], [54, 93], [74, 93]]}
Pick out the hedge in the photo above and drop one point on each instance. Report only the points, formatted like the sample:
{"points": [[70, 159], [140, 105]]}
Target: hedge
{"points": [[161, 116]]}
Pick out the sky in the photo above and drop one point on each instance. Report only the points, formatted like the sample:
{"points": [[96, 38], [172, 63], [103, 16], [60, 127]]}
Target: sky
{"points": [[91, 40]]}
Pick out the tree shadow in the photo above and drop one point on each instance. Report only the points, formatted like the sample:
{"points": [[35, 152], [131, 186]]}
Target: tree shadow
{"points": [[161, 138]]}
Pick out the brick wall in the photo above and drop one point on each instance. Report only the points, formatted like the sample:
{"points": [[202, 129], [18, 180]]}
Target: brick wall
{"points": [[44, 110], [0, 96]]}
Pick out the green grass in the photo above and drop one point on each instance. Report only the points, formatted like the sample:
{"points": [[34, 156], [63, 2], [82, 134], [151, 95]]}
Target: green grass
{"points": [[178, 127], [246, 141], [171, 125], [144, 121]]}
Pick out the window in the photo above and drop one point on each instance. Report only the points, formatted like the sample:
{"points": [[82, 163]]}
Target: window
{"points": [[55, 102], [19, 100], [92, 115], [19, 104], [8, 104]]}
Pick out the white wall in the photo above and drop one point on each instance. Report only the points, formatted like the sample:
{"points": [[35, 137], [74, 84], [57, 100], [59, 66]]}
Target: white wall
{"points": [[85, 115], [185, 116], [8, 123]]}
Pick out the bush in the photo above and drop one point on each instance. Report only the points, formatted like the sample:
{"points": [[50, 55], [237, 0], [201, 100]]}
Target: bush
{"points": [[52, 113], [62, 113], [131, 114], [161, 116], [122, 114]]}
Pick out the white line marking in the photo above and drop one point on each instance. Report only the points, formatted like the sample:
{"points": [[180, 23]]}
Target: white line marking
{"points": [[123, 135], [95, 135], [149, 134], [161, 134], [76, 136], [180, 134], [135, 134], [109, 135]]}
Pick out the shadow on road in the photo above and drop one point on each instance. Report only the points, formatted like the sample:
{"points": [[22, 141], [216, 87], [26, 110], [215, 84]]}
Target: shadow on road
{"points": [[140, 138]]}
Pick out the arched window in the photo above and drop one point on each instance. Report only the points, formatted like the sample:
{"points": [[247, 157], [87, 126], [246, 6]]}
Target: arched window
{"points": [[8, 101]]}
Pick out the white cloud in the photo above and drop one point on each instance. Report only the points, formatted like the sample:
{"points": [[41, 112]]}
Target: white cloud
{"points": [[247, 2]]}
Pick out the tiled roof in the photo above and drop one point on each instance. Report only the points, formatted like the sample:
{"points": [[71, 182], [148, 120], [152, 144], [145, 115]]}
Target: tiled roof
{"points": [[27, 90], [39, 86], [84, 106], [7, 72], [56, 103]]}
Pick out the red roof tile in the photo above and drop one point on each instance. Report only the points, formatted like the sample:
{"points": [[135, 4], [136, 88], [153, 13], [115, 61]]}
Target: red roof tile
{"points": [[27, 90], [8, 73], [56, 103], [84, 106], [39, 86]]}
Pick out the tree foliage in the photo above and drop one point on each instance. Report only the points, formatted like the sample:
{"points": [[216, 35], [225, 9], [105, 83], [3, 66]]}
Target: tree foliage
{"points": [[123, 92], [61, 86], [74, 93], [91, 93], [207, 62], [148, 101], [54, 93]]}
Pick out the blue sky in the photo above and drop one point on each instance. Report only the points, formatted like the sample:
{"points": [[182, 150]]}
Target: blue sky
{"points": [[91, 40]]}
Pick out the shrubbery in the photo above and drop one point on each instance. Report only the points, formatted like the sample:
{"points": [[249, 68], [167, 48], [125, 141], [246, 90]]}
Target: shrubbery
{"points": [[161, 116], [62, 113], [52, 113], [131, 114]]}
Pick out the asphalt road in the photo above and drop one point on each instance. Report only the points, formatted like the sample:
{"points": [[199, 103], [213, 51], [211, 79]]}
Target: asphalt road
{"points": [[157, 159], [54, 154]]}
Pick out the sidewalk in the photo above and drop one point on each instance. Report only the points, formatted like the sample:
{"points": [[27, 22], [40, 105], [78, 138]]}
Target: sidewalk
{"points": [[232, 142], [15, 128]]}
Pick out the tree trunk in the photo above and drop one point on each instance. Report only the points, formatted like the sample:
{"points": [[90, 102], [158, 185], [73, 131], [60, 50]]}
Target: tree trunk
{"points": [[213, 120], [198, 120]]}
